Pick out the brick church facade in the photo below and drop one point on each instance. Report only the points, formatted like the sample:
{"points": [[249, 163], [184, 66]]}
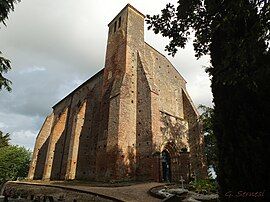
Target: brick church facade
{"points": [[133, 120]]}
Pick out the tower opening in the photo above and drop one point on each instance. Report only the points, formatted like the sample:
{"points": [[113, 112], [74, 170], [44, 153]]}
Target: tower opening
{"points": [[119, 22], [115, 25]]}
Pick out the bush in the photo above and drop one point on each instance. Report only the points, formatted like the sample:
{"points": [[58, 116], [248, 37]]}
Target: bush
{"points": [[204, 186]]}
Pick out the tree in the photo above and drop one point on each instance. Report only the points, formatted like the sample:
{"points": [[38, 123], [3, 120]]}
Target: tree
{"points": [[236, 35], [4, 68], [210, 140], [4, 139], [6, 6], [14, 162]]}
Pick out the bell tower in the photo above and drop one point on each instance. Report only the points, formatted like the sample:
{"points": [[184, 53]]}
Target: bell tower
{"points": [[126, 31], [125, 40]]}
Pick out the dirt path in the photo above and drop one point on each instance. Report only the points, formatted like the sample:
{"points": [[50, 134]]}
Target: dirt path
{"points": [[132, 193], [128, 193]]}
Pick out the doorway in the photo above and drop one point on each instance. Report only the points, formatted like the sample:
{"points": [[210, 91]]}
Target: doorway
{"points": [[166, 166]]}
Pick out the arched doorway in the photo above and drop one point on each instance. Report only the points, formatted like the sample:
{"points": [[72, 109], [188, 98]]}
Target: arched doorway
{"points": [[166, 166]]}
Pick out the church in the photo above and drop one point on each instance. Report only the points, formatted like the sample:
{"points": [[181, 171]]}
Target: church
{"points": [[133, 120]]}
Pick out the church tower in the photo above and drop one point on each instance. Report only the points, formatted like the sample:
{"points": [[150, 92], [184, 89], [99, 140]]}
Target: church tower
{"points": [[125, 39]]}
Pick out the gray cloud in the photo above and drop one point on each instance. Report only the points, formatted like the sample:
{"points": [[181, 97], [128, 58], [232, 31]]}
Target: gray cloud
{"points": [[56, 45]]}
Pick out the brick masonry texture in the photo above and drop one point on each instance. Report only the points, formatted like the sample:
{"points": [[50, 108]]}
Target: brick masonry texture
{"points": [[116, 125]]}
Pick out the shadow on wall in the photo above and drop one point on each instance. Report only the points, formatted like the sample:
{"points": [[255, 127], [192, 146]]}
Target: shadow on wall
{"points": [[144, 137], [174, 129], [58, 156], [182, 140], [125, 166], [41, 159], [197, 156], [89, 137]]}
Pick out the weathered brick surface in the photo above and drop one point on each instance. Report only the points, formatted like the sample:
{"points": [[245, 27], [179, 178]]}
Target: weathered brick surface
{"points": [[197, 158], [55, 147], [116, 124], [40, 151]]}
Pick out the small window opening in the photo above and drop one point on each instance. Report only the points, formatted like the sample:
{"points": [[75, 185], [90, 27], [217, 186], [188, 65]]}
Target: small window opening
{"points": [[119, 23], [115, 24]]}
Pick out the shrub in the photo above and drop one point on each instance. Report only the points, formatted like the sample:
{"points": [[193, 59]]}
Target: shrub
{"points": [[204, 186]]}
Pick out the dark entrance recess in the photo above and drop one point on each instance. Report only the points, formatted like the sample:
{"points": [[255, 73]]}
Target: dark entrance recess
{"points": [[166, 166]]}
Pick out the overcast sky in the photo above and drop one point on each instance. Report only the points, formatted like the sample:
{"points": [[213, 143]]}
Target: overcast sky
{"points": [[54, 46]]}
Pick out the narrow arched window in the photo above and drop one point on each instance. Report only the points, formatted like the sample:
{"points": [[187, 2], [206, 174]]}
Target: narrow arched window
{"points": [[119, 22], [115, 25]]}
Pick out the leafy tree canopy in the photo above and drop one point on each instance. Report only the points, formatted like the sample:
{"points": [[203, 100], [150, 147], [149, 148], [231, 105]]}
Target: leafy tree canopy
{"points": [[204, 17], [4, 68], [207, 119], [6, 6], [14, 162], [4, 139]]}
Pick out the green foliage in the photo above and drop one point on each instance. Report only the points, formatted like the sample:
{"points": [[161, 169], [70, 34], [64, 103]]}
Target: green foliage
{"points": [[4, 68], [4, 139], [14, 162], [236, 35], [204, 186], [204, 18], [6, 6], [207, 118]]}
